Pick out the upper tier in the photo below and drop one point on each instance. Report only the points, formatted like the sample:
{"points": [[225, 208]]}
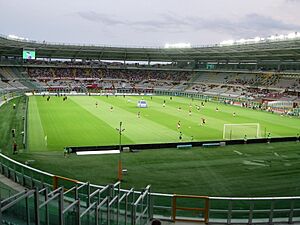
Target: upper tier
{"points": [[285, 50]]}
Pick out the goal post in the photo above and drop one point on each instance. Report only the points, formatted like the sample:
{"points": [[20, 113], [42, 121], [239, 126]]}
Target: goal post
{"points": [[238, 131]]}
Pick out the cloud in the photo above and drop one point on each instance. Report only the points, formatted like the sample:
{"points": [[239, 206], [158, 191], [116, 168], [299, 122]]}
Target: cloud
{"points": [[167, 21], [247, 26], [257, 21], [163, 22], [293, 1], [256, 24], [100, 18]]}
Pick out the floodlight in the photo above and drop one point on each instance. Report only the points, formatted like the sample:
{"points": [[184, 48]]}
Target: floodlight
{"points": [[178, 45], [242, 41], [257, 39], [272, 37], [229, 42], [293, 35], [12, 36]]}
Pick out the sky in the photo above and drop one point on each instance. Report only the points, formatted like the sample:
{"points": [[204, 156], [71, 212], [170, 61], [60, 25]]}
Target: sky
{"points": [[147, 22]]}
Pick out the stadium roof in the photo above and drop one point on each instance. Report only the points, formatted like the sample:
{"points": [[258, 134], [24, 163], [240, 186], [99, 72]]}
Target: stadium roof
{"points": [[286, 50]]}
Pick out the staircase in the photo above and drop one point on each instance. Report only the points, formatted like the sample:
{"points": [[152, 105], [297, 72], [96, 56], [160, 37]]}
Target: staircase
{"points": [[24, 79], [83, 204], [192, 80]]}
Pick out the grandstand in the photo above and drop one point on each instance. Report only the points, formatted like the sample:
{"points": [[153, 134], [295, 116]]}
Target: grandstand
{"points": [[244, 75]]}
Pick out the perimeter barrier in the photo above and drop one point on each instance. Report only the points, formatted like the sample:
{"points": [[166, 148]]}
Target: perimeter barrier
{"points": [[50, 199]]}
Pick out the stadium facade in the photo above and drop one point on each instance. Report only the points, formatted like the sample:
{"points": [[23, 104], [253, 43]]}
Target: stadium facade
{"points": [[243, 72], [284, 54]]}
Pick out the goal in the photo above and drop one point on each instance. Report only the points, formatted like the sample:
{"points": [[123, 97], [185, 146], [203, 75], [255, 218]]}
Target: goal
{"points": [[238, 131]]}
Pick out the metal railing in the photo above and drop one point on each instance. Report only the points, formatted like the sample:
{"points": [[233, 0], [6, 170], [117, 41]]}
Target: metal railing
{"points": [[75, 202], [266, 210], [201, 208], [58, 200]]}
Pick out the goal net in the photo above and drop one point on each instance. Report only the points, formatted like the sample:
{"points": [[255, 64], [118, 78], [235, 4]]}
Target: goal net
{"points": [[238, 131]]}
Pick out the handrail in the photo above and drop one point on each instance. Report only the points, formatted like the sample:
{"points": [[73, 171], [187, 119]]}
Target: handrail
{"points": [[13, 197], [103, 189], [153, 194], [87, 209], [205, 209], [43, 190], [117, 184], [190, 196], [25, 166], [70, 190], [10, 204], [70, 206], [56, 178], [94, 193], [82, 185], [122, 197], [113, 200], [102, 202], [55, 191], [49, 199], [143, 196], [255, 198]]}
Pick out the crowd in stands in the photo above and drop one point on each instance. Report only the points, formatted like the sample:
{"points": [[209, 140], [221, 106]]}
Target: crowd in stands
{"points": [[96, 64], [252, 79], [243, 81], [228, 84], [251, 86], [131, 75], [104, 78]]}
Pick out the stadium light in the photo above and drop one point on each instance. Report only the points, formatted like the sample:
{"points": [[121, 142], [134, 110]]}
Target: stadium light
{"points": [[281, 37], [242, 41], [257, 39], [276, 37], [272, 37], [178, 45], [228, 42], [120, 130], [292, 35], [15, 37]]}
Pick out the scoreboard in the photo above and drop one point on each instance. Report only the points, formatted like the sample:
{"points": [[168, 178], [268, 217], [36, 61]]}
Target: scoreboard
{"points": [[29, 54]]}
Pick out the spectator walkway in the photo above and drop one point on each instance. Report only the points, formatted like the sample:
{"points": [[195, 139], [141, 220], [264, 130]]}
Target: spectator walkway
{"points": [[14, 186]]}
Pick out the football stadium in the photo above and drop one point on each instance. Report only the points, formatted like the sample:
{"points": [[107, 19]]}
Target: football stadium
{"points": [[180, 134]]}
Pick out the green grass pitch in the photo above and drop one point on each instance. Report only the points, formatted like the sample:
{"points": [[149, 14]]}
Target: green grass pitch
{"points": [[240, 170], [56, 123]]}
